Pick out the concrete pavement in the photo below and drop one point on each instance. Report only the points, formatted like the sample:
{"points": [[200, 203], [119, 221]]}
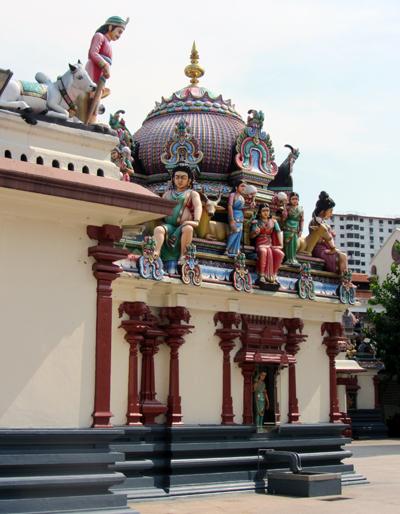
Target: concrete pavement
{"points": [[378, 460]]}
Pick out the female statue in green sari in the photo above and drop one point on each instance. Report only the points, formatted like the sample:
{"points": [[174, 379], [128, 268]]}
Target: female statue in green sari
{"points": [[293, 220]]}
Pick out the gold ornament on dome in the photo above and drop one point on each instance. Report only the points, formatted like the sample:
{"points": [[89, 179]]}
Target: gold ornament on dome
{"points": [[194, 71]]}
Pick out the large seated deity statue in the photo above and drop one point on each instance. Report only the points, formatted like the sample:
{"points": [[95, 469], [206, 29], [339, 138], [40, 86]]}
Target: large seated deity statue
{"points": [[335, 260], [175, 235]]}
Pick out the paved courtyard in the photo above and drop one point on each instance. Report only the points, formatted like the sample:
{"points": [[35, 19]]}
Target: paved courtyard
{"points": [[379, 461]]}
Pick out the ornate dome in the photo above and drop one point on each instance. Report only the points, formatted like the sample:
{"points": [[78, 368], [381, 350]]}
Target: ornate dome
{"points": [[213, 121]]}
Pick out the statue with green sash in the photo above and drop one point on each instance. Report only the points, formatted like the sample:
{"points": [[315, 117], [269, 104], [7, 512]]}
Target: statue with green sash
{"points": [[176, 233]]}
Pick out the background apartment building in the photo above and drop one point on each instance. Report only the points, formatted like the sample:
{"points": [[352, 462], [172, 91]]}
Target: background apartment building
{"points": [[361, 237]]}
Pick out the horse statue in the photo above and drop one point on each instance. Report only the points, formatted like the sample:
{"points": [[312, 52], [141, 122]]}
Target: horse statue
{"points": [[46, 97]]}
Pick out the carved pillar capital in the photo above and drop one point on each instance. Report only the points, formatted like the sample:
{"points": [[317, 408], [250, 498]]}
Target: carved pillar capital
{"points": [[294, 334], [335, 340]]}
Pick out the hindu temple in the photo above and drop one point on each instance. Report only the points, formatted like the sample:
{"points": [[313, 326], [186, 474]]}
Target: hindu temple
{"points": [[170, 329]]}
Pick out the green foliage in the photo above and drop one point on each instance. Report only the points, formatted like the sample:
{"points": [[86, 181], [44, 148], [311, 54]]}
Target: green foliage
{"points": [[384, 321]]}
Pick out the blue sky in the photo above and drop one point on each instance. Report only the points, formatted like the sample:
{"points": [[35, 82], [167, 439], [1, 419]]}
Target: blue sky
{"points": [[325, 73]]}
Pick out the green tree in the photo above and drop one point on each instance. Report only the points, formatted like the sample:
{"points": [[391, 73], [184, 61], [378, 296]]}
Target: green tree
{"points": [[384, 321]]}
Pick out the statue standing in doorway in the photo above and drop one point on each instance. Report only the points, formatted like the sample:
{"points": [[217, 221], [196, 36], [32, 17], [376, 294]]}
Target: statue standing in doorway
{"points": [[261, 400]]}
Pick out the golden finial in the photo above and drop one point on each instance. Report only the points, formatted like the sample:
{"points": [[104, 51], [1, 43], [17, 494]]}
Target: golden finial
{"points": [[193, 70]]}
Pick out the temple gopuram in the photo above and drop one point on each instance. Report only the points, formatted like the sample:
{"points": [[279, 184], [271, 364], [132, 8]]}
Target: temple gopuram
{"points": [[169, 314]]}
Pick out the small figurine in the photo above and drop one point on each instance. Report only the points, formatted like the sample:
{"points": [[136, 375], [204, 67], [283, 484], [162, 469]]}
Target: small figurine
{"points": [[100, 59], [149, 265], [305, 284], [269, 242], [236, 204], [292, 220], [191, 271], [335, 260], [241, 278], [261, 400], [177, 231], [121, 157]]}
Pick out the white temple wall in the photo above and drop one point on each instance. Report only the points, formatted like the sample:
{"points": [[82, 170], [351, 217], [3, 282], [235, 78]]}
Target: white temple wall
{"points": [[48, 311], [48, 308], [366, 393], [312, 374], [283, 394], [341, 389], [52, 142]]}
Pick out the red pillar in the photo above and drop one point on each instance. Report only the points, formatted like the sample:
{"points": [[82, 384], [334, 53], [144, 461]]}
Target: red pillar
{"points": [[294, 337], [175, 331], [105, 272], [335, 342], [149, 405], [135, 328], [248, 372], [227, 334], [377, 401]]}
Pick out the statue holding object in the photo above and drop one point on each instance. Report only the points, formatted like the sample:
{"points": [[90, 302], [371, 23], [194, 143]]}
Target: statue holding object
{"points": [[268, 242], [100, 59]]}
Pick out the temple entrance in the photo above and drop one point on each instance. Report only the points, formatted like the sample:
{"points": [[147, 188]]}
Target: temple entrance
{"points": [[271, 414]]}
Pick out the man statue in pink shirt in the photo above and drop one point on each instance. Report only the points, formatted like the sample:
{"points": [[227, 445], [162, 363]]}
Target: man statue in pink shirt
{"points": [[100, 59]]}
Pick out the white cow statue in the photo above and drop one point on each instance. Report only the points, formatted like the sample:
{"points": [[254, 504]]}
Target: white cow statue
{"points": [[47, 97]]}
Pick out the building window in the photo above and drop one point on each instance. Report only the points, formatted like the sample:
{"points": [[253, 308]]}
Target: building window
{"points": [[381, 230], [342, 227], [381, 239], [370, 221], [380, 222], [350, 244], [361, 220], [389, 222], [341, 236]]}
